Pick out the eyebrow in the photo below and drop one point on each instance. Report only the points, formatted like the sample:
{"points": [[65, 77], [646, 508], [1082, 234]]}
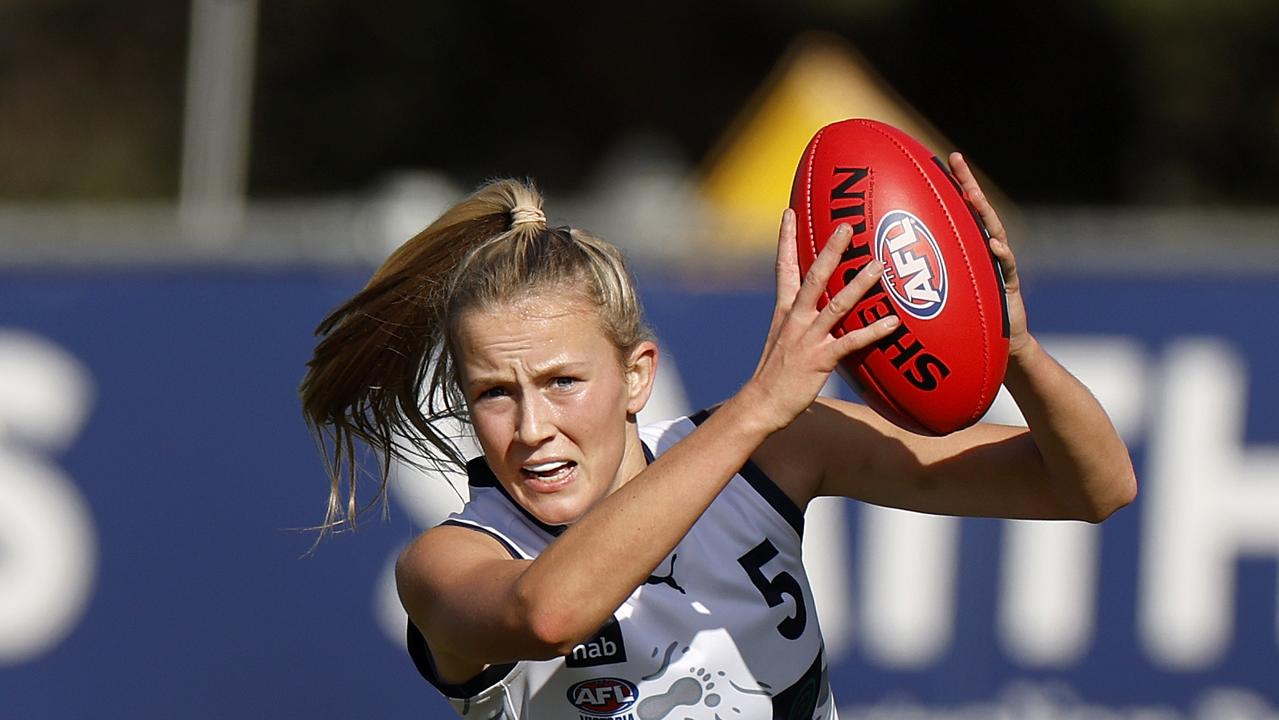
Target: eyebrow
{"points": [[552, 369]]}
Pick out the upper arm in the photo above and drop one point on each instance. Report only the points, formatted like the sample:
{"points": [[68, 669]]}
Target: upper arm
{"points": [[986, 470], [460, 588]]}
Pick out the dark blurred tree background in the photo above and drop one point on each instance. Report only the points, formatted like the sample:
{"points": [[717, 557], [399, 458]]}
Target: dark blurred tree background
{"points": [[1097, 101]]}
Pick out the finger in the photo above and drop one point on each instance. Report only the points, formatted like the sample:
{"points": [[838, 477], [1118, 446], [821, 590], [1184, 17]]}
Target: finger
{"points": [[1007, 264], [863, 337], [787, 260], [820, 271], [972, 191], [847, 297]]}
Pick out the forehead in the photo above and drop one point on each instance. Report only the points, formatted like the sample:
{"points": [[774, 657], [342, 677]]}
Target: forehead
{"points": [[533, 330], [549, 308]]}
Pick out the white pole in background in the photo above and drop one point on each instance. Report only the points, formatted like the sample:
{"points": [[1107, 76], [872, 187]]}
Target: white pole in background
{"points": [[215, 144]]}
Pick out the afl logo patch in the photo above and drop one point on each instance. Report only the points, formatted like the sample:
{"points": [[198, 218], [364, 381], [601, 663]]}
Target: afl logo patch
{"points": [[603, 697], [914, 271]]}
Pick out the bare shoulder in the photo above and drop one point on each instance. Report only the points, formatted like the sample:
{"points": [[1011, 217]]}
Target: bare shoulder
{"points": [[440, 572], [438, 556], [454, 583]]}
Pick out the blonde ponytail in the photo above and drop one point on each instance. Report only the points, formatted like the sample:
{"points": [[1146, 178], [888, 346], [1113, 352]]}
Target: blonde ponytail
{"points": [[384, 374]]}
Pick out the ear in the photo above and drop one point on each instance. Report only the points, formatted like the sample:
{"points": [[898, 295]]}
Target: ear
{"points": [[640, 370]]}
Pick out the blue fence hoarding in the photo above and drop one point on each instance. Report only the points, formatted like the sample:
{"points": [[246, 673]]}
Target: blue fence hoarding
{"points": [[154, 468]]}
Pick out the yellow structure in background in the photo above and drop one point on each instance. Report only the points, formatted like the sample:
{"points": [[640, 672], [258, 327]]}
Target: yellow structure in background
{"points": [[747, 180]]}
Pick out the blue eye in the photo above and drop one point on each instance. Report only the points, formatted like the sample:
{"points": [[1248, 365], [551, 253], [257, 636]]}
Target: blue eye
{"points": [[495, 392], [564, 382]]}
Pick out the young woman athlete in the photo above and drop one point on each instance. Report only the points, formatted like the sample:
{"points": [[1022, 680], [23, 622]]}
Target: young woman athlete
{"points": [[607, 570]]}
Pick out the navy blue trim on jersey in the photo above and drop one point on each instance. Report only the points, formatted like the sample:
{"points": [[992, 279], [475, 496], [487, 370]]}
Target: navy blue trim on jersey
{"points": [[487, 678], [764, 485], [515, 554]]}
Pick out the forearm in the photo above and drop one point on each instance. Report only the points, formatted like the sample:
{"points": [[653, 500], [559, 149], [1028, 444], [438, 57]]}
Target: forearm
{"points": [[582, 577], [1084, 458]]}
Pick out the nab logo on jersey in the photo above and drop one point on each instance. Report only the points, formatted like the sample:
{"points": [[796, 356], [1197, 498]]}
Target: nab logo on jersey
{"points": [[605, 648], [603, 697], [914, 272]]}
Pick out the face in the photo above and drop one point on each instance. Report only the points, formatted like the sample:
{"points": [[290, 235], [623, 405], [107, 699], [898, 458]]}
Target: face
{"points": [[552, 402]]}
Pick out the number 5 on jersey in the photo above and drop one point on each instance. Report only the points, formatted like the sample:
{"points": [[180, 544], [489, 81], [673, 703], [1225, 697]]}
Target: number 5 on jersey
{"points": [[776, 589]]}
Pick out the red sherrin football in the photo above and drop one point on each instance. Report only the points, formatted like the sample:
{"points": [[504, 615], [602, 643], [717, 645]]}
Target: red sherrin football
{"points": [[941, 368]]}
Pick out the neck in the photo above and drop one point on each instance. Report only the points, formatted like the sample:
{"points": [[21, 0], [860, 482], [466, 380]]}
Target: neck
{"points": [[633, 458]]}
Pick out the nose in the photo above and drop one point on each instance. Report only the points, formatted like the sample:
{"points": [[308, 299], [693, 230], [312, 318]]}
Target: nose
{"points": [[535, 423]]}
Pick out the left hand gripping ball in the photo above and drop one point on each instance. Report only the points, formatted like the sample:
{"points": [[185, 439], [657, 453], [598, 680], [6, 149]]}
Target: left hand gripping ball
{"points": [[940, 370]]}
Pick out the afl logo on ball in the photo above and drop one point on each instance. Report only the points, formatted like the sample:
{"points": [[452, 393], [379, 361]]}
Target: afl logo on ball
{"points": [[914, 271], [603, 697]]}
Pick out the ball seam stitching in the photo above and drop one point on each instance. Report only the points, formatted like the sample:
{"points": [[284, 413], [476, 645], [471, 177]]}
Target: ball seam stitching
{"points": [[981, 313], [808, 196]]}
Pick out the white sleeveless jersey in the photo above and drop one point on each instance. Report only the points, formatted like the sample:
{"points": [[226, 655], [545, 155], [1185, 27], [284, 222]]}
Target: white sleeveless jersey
{"points": [[725, 628]]}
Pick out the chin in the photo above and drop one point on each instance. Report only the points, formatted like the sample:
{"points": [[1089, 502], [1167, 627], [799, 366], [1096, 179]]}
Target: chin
{"points": [[562, 508], [565, 504], [557, 514]]}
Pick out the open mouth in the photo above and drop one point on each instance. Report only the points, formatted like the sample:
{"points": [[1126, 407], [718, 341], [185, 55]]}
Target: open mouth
{"points": [[548, 475]]}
